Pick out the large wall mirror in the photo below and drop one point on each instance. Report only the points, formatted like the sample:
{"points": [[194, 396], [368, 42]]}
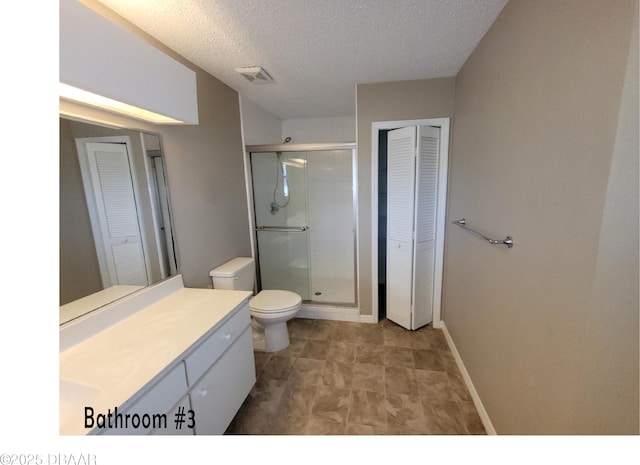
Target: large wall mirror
{"points": [[115, 218]]}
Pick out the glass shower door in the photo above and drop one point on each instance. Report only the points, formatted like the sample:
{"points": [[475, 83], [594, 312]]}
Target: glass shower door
{"points": [[280, 204], [330, 208]]}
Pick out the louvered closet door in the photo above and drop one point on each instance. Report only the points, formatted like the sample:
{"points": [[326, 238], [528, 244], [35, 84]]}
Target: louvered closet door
{"points": [[425, 224], [117, 213], [401, 167]]}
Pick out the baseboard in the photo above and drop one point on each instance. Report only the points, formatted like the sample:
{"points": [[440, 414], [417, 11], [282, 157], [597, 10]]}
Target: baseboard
{"points": [[367, 319], [486, 421]]}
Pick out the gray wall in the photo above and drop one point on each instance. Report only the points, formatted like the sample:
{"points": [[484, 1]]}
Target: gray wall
{"points": [[205, 171], [546, 149], [79, 269], [389, 101]]}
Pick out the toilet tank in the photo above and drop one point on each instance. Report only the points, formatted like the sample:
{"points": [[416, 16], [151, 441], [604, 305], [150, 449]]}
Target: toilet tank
{"points": [[238, 274]]}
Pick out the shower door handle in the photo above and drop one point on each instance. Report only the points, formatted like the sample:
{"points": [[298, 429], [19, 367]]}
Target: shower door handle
{"points": [[282, 228]]}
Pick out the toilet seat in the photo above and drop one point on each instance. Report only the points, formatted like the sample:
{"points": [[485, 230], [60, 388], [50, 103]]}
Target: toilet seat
{"points": [[274, 301]]}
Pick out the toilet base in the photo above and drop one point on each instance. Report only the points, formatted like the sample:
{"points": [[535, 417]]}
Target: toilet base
{"points": [[271, 337], [258, 340]]}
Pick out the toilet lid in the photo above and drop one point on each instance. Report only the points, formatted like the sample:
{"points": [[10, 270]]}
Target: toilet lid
{"points": [[275, 301]]}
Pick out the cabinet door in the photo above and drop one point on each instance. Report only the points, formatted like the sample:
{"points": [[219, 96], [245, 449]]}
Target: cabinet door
{"points": [[149, 411], [181, 410], [216, 398]]}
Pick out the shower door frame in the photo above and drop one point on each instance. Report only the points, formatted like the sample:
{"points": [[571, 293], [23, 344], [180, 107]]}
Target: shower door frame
{"points": [[309, 147]]}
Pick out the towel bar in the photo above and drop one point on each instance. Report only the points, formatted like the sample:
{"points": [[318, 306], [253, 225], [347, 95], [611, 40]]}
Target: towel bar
{"points": [[508, 241]]}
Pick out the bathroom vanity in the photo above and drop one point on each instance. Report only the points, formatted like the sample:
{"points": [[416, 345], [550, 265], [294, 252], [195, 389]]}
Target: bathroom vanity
{"points": [[167, 360]]}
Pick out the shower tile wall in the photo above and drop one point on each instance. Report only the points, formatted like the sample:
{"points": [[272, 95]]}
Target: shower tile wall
{"points": [[331, 223]]}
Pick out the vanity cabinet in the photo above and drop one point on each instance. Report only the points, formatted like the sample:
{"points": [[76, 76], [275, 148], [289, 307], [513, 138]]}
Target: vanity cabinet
{"points": [[207, 381]]}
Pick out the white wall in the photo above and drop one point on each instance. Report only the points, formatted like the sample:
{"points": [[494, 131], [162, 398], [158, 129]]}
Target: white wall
{"points": [[262, 127], [334, 129], [258, 125]]}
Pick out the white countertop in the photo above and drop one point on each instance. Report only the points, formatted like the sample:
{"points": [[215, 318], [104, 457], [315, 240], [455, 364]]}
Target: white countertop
{"points": [[122, 359]]}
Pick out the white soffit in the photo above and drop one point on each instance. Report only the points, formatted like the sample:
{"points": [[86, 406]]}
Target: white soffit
{"points": [[316, 51], [101, 57]]}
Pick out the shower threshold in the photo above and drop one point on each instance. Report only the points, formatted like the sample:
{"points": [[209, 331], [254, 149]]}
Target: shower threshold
{"points": [[323, 311]]}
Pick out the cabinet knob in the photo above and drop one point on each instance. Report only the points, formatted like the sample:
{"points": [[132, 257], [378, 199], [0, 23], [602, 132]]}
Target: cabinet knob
{"points": [[227, 336], [203, 392]]}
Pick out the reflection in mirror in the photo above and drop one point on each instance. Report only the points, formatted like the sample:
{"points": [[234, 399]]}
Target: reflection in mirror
{"points": [[115, 220]]}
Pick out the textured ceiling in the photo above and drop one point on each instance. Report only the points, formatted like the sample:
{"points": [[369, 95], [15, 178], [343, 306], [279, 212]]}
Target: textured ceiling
{"points": [[316, 50]]}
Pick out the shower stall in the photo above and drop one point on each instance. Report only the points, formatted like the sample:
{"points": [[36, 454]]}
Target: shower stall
{"points": [[304, 213]]}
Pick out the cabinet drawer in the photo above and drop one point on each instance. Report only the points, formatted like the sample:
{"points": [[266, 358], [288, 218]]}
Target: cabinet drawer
{"points": [[216, 398], [206, 354], [153, 406]]}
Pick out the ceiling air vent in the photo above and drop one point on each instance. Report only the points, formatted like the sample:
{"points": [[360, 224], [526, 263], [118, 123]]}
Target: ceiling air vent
{"points": [[255, 74]]}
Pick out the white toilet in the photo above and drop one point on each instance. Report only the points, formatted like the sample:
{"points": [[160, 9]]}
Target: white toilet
{"points": [[270, 310]]}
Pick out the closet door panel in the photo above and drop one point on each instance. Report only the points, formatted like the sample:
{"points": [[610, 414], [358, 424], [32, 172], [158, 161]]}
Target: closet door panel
{"points": [[399, 282], [425, 219], [423, 284], [400, 214], [427, 183], [401, 183]]}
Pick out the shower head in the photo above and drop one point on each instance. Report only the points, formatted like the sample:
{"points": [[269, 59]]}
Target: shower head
{"points": [[286, 140]]}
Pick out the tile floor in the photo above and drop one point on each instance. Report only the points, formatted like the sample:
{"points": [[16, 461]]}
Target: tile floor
{"points": [[358, 378]]}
